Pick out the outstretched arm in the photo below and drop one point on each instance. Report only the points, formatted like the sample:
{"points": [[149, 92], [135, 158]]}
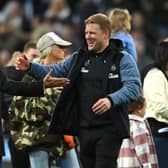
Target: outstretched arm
{"points": [[21, 88], [29, 88], [38, 71]]}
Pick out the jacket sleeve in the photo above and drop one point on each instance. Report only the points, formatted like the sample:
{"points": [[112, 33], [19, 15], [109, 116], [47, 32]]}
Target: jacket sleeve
{"points": [[131, 83], [20, 88], [38, 71]]}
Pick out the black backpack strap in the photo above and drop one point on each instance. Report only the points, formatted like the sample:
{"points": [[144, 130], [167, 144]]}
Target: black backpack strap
{"points": [[148, 68]]}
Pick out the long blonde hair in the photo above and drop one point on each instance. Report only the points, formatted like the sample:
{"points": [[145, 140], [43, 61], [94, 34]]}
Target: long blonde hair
{"points": [[120, 20]]}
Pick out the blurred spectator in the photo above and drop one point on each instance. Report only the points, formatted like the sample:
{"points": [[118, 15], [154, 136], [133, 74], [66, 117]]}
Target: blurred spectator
{"points": [[58, 9], [10, 26], [40, 7], [4, 57], [129, 4], [14, 14], [21, 21], [144, 39], [72, 4], [19, 158], [83, 10], [155, 87], [159, 18], [69, 32]]}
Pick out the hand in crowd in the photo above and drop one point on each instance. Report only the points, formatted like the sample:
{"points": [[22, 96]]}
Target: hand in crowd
{"points": [[101, 106], [22, 63], [50, 81]]}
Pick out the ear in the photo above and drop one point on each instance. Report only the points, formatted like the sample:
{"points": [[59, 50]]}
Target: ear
{"points": [[107, 35]]}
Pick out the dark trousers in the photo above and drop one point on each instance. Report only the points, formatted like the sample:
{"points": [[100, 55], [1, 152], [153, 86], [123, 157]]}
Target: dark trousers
{"points": [[161, 144], [99, 147]]}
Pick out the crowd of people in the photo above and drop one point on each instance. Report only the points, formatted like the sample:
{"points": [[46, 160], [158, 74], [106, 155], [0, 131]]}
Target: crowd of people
{"points": [[21, 21], [84, 84]]}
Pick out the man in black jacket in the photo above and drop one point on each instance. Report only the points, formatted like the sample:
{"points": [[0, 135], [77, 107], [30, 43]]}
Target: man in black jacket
{"points": [[93, 105]]}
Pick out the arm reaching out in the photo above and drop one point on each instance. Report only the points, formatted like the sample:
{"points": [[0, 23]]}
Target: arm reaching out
{"points": [[50, 81], [30, 88], [20, 88]]}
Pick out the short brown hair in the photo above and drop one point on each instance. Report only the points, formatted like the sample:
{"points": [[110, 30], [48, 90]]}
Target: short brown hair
{"points": [[137, 104], [102, 20], [29, 44], [120, 20]]}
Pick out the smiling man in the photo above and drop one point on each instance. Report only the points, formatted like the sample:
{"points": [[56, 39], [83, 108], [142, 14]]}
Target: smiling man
{"points": [[93, 105]]}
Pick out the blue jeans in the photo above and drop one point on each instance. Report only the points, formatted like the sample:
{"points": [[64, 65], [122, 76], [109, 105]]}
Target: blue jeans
{"points": [[161, 144], [39, 159], [69, 160]]}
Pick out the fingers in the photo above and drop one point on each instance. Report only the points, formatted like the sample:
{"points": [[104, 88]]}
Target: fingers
{"points": [[22, 63], [101, 106], [61, 81], [48, 74], [50, 81], [98, 107]]}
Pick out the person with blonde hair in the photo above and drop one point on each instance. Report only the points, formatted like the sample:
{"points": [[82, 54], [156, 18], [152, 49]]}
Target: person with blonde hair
{"points": [[121, 28], [34, 115]]}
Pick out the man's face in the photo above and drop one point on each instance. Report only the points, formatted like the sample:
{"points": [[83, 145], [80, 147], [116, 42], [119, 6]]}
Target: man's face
{"points": [[32, 53], [96, 39]]}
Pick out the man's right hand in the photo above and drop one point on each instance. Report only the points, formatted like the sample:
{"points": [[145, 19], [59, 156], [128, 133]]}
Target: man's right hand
{"points": [[22, 63]]}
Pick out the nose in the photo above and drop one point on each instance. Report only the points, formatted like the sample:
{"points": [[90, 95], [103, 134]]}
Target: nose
{"points": [[87, 35]]}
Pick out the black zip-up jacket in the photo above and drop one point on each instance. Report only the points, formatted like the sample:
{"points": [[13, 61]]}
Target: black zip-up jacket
{"points": [[67, 116]]}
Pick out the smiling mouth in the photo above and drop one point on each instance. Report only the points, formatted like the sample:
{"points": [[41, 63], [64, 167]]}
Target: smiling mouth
{"points": [[90, 42]]}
